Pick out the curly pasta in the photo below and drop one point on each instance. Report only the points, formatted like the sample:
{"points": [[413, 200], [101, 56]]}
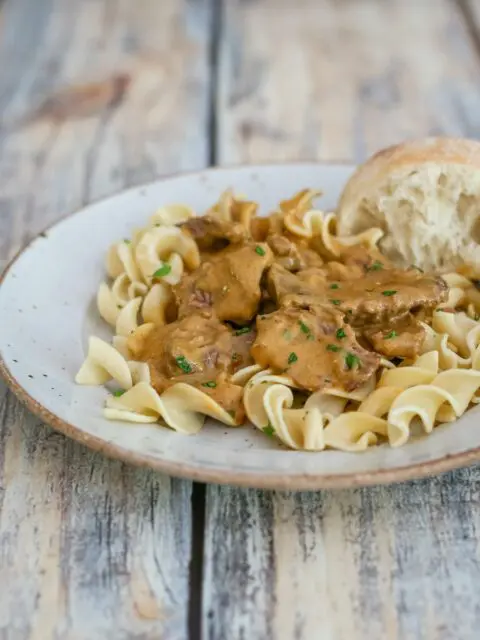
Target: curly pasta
{"points": [[230, 208], [437, 387], [182, 407]]}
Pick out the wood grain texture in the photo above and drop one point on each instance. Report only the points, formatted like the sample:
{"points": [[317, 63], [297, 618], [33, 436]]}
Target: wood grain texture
{"points": [[89, 548], [337, 80], [391, 562]]}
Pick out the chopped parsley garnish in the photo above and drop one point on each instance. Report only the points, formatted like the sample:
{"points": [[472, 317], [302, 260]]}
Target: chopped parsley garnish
{"points": [[269, 430], [260, 250], [389, 292], [240, 332], [235, 357], [127, 241], [351, 360], [184, 364], [335, 302], [287, 334], [304, 328], [341, 334], [334, 286], [392, 334], [292, 358], [211, 384], [310, 337], [376, 266], [118, 393], [333, 347], [164, 270]]}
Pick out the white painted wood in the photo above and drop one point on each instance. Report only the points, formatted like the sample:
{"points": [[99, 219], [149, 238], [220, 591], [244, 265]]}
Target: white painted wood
{"points": [[386, 562], [89, 548], [336, 80]]}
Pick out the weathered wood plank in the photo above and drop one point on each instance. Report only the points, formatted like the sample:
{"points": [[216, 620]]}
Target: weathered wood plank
{"points": [[391, 562], [471, 11], [336, 80], [90, 548]]}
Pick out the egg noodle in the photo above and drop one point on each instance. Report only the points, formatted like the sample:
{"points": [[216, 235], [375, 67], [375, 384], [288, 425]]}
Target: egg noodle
{"points": [[435, 387]]}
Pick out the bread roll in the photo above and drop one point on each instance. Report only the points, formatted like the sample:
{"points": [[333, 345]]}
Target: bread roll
{"points": [[425, 195]]}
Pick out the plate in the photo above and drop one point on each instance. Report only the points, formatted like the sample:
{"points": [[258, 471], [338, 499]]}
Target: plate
{"points": [[47, 312]]}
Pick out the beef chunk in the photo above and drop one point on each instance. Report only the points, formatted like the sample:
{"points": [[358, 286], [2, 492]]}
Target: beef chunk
{"points": [[228, 282], [282, 283], [380, 296], [198, 350], [314, 347], [402, 338], [291, 255], [213, 234], [376, 297]]}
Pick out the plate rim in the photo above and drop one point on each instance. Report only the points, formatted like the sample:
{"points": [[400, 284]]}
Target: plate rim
{"points": [[195, 471]]}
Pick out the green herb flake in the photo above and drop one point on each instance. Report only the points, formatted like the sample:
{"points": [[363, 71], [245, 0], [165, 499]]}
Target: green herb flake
{"points": [[304, 328], [391, 334], [389, 292], [235, 357], [164, 270], [211, 384], [287, 334], [184, 364], [259, 250], [127, 241], [334, 286], [335, 302], [351, 360], [311, 337], [341, 334], [333, 347], [292, 358], [269, 430], [118, 393], [242, 331], [376, 266]]}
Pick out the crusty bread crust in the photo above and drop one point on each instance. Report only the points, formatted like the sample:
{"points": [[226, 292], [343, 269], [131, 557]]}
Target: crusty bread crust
{"points": [[412, 152], [425, 195]]}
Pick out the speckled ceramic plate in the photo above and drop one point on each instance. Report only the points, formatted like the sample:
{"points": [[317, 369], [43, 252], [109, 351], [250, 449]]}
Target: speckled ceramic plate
{"points": [[47, 311]]}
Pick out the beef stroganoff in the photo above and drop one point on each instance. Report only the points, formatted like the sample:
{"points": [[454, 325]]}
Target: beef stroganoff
{"points": [[318, 340]]}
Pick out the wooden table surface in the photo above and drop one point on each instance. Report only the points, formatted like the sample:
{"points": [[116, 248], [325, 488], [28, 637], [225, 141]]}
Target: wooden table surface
{"points": [[91, 548]]}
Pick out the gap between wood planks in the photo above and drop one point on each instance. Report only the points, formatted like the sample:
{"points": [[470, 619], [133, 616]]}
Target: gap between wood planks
{"points": [[198, 490], [465, 10], [198, 496]]}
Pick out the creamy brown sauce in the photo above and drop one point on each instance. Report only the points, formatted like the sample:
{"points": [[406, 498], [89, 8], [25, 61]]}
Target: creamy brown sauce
{"points": [[263, 296]]}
